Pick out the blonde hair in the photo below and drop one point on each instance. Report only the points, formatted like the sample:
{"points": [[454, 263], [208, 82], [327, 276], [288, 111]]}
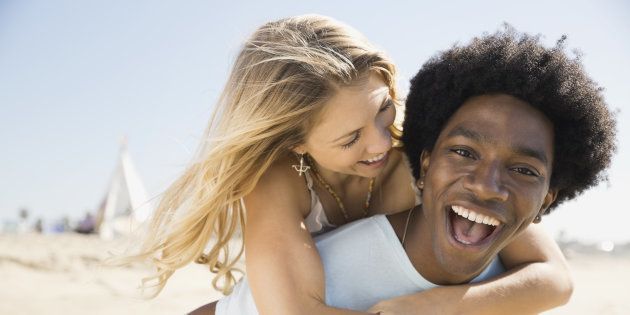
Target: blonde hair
{"points": [[281, 78]]}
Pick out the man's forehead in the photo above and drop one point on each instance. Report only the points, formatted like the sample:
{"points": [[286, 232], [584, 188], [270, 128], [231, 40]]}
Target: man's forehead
{"points": [[494, 119]]}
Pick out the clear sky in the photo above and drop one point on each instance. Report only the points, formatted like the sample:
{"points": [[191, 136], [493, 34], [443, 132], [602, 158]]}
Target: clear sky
{"points": [[76, 76]]}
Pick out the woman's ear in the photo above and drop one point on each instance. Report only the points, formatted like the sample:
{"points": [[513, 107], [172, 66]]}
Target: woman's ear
{"points": [[299, 149]]}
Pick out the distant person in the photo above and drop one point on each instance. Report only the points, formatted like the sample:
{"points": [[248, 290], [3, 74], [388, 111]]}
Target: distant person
{"points": [[62, 225], [39, 226], [86, 225], [22, 224]]}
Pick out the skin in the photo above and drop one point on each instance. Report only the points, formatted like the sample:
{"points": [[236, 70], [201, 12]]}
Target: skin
{"points": [[352, 129], [279, 249], [493, 157]]}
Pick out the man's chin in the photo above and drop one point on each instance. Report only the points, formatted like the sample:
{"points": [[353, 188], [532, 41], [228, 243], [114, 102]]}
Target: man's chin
{"points": [[462, 262]]}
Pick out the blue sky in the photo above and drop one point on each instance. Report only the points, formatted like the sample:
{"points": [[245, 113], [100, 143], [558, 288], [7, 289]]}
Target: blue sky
{"points": [[76, 76]]}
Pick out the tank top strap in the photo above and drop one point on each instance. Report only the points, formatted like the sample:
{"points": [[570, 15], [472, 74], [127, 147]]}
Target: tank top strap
{"points": [[316, 221], [309, 181]]}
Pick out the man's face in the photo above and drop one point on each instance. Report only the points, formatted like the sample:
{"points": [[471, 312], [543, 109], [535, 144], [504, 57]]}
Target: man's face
{"points": [[485, 180]]}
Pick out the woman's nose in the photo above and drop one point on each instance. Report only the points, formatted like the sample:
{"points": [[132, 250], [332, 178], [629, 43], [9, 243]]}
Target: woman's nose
{"points": [[380, 140]]}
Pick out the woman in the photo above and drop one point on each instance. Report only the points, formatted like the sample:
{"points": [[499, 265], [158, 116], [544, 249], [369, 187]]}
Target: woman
{"points": [[302, 138]]}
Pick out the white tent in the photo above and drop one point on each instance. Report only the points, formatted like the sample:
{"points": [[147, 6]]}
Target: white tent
{"points": [[126, 204]]}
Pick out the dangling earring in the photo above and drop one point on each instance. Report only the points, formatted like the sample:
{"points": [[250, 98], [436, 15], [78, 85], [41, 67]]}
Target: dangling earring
{"points": [[537, 219], [420, 184], [302, 168]]}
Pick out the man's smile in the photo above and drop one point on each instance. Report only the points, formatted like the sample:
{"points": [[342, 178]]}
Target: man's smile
{"points": [[471, 228]]}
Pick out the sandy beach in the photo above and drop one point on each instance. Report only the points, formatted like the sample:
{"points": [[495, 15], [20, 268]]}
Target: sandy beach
{"points": [[65, 274]]}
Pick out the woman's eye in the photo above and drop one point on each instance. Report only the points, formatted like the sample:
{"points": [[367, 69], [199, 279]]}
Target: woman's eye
{"points": [[387, 105], [463, 152], [353, 141]]}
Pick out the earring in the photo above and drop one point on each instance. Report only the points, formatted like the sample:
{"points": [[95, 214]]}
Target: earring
{"points": [[537, 219], [420, 184], [419, 191], [302, 168]]}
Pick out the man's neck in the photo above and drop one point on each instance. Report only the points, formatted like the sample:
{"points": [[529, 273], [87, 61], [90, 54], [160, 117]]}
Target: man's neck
{"points": [[418, 246]]}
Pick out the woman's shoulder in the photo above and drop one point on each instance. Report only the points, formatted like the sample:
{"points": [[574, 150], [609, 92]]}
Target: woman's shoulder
{"points": [[282, 183]]}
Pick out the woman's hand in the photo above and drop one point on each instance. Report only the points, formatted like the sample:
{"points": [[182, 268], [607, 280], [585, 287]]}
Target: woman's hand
{"points": [[434, 301]]}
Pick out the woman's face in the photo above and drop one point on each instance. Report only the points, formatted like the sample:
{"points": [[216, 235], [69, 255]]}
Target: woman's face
{"points": [[352, 134]]}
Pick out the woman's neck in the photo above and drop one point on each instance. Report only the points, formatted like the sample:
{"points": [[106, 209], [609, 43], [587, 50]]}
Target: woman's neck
{"points": [[339, 181]]}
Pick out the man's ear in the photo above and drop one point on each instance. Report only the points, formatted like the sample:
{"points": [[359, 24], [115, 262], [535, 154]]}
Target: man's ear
{"points": [[550, 197], [425, 160]]}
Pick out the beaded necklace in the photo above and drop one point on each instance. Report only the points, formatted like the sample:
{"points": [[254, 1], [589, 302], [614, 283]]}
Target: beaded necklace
{"points": [[322, 182]]}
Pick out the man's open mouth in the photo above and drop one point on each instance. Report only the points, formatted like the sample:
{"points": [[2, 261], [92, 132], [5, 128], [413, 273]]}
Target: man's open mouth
{"points": [[472, 228]]}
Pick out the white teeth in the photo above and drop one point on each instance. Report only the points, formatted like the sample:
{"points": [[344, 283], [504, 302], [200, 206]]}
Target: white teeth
{"points": [[474, 216], [376, 158]]}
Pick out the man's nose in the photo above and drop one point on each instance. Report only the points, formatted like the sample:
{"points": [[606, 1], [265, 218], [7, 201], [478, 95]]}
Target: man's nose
{"points": [[486, 182]]}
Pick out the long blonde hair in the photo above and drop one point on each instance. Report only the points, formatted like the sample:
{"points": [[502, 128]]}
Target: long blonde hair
{"points": [[281, 78]]}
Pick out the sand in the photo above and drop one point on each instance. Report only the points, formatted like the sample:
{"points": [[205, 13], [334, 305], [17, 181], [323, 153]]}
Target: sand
{"points": [[64, 274]]}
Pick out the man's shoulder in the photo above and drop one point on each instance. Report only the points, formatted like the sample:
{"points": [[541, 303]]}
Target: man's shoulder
{"points": [[354, 229]]}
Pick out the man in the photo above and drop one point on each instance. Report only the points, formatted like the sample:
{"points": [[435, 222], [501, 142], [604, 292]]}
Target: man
{"points": [[498, 133]]}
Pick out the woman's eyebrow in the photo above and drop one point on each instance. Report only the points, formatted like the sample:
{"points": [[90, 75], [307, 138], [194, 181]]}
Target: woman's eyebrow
{"points": [[346, 135], [385, 101]]}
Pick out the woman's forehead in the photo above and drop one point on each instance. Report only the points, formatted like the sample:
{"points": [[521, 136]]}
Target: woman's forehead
{"points": [[351, 107]]}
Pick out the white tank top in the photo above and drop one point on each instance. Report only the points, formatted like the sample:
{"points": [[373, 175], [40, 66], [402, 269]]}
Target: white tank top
{"points": [[316, 221], [364, 263]]}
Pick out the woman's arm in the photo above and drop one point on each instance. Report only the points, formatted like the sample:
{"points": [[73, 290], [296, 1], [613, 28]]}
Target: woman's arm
{"points": [[537, 279], [284, 269]]}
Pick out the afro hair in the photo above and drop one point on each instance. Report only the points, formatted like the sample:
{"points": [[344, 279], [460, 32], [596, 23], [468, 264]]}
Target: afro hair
{"points": [[517, 64]]}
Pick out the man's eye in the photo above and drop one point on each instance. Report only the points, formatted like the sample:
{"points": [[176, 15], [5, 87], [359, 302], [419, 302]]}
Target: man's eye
{"points": [[525, 171], [463, 152]]}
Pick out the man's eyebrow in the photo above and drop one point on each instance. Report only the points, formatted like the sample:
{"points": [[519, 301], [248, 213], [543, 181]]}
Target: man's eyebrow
{"points": [[477, 137], [467, 133], [536, 154]]}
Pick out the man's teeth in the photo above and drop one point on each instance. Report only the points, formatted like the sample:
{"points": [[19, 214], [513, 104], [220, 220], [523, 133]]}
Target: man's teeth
{"points": [[474, 216], [376, 158]]}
